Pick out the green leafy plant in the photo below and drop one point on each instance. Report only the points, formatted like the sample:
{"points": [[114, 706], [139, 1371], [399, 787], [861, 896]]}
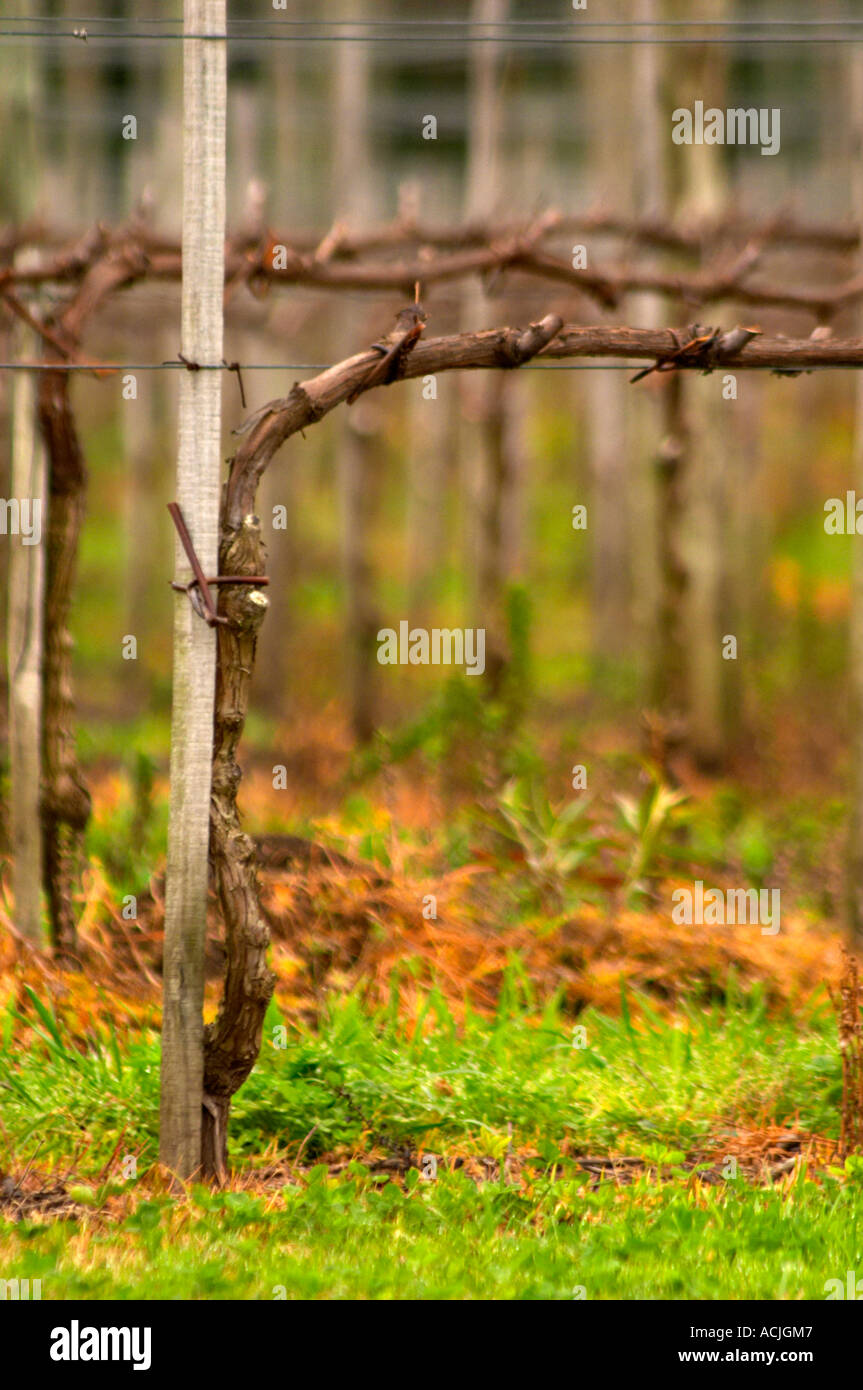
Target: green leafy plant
{"points": [[651, 819], [555, 844]]}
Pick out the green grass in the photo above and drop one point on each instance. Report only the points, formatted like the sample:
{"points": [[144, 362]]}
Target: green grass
{"points": [[642, 1085], [352, 1238], [359, 1079]]}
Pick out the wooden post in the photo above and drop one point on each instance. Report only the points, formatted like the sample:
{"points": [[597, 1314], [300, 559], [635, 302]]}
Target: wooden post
{"points": [[24, 652], [668, 675], [429, 425], [359, 450], [139, 418], [704, 471], [855, 846], [198, 475], [491, 400], [606, 86], [645, 414], [26, 571], [25, 562]]}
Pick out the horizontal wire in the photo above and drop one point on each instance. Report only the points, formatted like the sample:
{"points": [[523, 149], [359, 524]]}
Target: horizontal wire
{"points": [[528, 40], [842, 22]]}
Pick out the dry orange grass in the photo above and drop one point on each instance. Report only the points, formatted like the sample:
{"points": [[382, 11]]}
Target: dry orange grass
{"points": [[338, 930]]}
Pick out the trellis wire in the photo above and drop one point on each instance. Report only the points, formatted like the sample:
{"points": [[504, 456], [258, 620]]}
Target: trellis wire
{"points": [[443, 23], [461, 31]]}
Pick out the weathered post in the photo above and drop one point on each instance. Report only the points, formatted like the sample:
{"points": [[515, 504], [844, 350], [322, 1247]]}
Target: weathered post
{"points": [[703, 472], [855, 846], [359, 450], [198, 474], [645, 411], [608, 396], [24, 655], [490, 402]]}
